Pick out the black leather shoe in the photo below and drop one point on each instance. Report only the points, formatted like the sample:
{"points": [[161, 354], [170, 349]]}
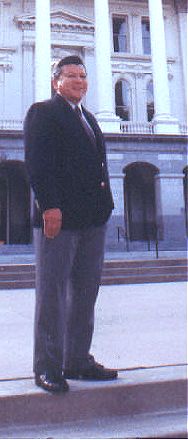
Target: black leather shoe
{"points": [[50, 384], [93, 372]]}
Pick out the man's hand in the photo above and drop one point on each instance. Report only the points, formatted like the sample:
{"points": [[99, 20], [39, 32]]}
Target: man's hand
{"points": [[52, 222]]}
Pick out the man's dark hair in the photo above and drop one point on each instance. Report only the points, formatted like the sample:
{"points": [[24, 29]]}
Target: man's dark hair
{"points": [[72, 59]]}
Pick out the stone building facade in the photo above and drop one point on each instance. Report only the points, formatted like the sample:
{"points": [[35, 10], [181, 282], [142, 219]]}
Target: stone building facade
{"points": [[135, 54]]}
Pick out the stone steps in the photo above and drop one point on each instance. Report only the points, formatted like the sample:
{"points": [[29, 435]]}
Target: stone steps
{"points": [[18, 276], [142, 403], [147, 271]]}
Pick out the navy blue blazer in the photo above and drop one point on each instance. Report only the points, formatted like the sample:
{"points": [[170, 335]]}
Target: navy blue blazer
{"points": [[65, 169]]}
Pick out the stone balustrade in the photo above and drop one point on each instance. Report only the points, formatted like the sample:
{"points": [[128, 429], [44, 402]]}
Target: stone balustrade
{"points": [[136, 127], [130, 127], [184, 129], [11, 124]]}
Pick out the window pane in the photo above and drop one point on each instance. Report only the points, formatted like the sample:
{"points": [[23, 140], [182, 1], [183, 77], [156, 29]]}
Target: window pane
{"points": [[125, 93], [150, 92], [150, 101], [123, 102], [146, 36], [120, 34]]}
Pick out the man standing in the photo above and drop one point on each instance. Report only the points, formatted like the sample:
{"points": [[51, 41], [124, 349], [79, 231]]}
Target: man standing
{"points": [[66, 164]]}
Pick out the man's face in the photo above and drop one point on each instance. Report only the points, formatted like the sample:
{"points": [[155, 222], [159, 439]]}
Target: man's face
{"points": [[72, 83]]}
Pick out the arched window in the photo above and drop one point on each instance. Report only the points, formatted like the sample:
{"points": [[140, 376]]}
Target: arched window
{"points": [[123, 100], [150, 101]]}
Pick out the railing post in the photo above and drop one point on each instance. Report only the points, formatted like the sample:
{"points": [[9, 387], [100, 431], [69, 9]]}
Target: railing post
{"points": [[127, 242], [118, 234], [157, 248]]}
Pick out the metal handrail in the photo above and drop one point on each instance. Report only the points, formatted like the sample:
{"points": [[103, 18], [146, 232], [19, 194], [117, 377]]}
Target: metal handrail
{"points": [[122, 233]]}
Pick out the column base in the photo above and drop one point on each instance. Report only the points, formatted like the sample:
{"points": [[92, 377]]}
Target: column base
{"points": [[165, 124], [108, 122]]}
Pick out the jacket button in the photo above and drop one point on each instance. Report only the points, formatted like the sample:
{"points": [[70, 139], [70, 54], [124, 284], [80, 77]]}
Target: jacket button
{"points": [[102, 184]]}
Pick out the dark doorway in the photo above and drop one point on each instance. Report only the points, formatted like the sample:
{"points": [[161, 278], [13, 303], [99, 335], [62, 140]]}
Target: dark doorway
{"points": [[139, 192], [14, 203], [185, 187], [3, 209]]}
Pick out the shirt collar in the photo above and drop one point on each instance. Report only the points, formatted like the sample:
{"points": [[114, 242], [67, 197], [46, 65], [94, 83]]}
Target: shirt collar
{"points": [[72, 104], [75, 105]]}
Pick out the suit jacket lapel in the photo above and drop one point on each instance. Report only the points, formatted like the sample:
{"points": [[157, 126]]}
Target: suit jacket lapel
{"points": [[68, 120], [63, 110], [95, 127]]}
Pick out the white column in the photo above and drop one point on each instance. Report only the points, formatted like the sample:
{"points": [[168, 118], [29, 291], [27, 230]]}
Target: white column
{"points": [[136, 34], [91, 93], [1, 23], [27, 75], [108, 121], [182, 21], [42, 51], [163, 120]]}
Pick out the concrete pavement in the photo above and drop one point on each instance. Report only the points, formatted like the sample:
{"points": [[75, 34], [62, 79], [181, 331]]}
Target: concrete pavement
{"points": [[140, 404], [136, 326]]}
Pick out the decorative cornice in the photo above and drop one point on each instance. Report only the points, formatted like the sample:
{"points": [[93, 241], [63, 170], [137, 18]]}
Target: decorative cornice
{"points": [[128, 57], [137, 65], [59, 27], [7, 49], [72, 18], [60, 21], [6, 58]]}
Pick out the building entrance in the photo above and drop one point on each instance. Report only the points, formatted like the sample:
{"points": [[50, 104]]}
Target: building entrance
{"points": [[14, 204], [185, 187], [3, 209], [139, 190]]}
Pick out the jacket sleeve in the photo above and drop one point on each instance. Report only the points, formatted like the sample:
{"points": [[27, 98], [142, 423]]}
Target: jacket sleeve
{"points": [[39, 140]]}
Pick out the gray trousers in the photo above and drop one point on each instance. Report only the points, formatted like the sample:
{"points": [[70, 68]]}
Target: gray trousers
{"points": [[68, 273]]}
